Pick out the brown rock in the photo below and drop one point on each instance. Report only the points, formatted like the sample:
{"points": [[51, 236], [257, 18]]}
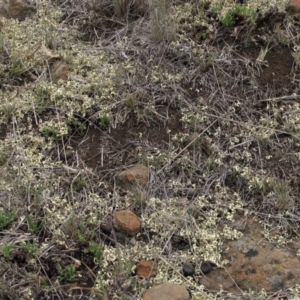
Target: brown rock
{"points": [[16, 9], [137, 175], [146, 268], [167, 291], [127, 222], [293, 7], [60, 71]]}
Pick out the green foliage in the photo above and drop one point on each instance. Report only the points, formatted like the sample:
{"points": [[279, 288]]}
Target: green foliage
{"points": [[67, 273], [42, 98], [79, 182], [281, 190], [51, 133], [238, 10], [34, 227], [216, 7], [3, 158], [2, 43], [104, 121], [97, 250], [70, 227], [30, 247], [228, 20], [6, 218], [247, 11], [8, 109], [6, 250], [80, 233], [74, 123]]}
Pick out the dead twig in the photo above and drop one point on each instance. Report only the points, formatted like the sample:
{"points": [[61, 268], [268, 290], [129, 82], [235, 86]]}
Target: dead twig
{"points": [[283, 98]]}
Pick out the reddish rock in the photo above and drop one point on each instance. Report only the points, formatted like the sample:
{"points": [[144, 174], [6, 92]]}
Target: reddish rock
{"points": [[293, 7], [127, 222], [146, 268], [167, 291], [135, 176]]}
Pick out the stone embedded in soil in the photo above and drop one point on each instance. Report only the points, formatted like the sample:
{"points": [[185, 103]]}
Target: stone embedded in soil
{"points": [[117, 237], [60, 71], [127, 222], [255, 263], [132, 177], [146, 268], [16, 9], [293, 7], [188, 269], [106, 225], [207, 266], [167, 291]]}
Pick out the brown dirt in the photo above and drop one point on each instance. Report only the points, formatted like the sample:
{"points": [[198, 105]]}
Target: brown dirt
{"points": [[122, 144]]}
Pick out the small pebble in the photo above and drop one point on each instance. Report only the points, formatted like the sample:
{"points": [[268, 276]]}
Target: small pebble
{"points": [[106, 225], [117, 236], [207, 266], [188, 269]]}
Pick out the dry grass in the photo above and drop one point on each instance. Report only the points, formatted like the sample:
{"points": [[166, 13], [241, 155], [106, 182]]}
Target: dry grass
{"points": [[141, 63]]}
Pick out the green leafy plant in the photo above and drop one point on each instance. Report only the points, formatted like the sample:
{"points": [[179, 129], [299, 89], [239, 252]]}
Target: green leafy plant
{"points": [[281, 190], [104, 121], [3, 158], [228, 20], [51, 133], [8, 109], [97, 250], [73, 123], [30, 247], [67, 273], [42, 98], [216, 7], [34, 227], [238, 10], [6, 218], [247, 11], [79, 182], [70, 227], [6, 250]]}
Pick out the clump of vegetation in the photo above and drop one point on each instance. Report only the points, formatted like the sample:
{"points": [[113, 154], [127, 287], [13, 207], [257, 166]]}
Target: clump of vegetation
{"points": [[6, 218], [67, 273], [162, 28], [238, 10]]}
